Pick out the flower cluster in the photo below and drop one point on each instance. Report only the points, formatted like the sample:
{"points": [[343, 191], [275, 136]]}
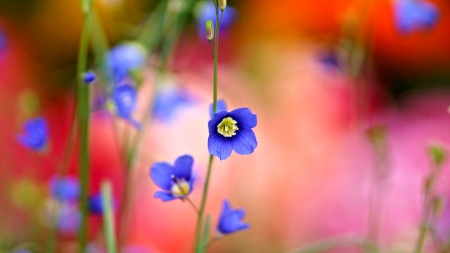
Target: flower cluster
{"points": [[35, 134]]}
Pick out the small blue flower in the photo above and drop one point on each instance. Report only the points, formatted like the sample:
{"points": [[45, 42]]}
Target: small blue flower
{"points": [[207, 10], [89, 77], [35, 134], [220, 107], [232, 131], [230, 220], [95, 204], [175, 181], [123, 59], [68, 218], [167, 101], [413, 15], [125, 101], [65, 188]]}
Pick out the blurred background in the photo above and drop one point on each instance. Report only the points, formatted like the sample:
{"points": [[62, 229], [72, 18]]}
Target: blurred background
{"points": [[321, 76]]}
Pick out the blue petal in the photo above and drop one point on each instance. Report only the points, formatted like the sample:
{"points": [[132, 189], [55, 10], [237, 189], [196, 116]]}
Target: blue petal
{"points": [[244, 142], [123, 59], [207, 10], [164, 196], [220, 107], [161, 173], [125, 100], [230, 220], [89, 77], [244, 117], [217, 118], [65, 188], [35, 134], [219, 146], [183, 167]]}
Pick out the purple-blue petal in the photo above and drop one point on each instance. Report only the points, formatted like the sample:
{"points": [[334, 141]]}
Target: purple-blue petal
{"points": [[164, 196], [183, 167], [35, 134], [216, 119], [65, 188], [219, 146], [161, 173], [244, 142], [220, 107], [125, 100], [230, 220], [89, 77], [244, 117]]}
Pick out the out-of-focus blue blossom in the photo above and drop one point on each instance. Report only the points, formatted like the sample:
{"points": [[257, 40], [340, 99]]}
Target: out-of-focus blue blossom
{"points": [[3, 41], [232, 131], [95, 204], [65, 188], [413, 15], [35, 134], [168, 100], [89, 77], [220, 107], [124, 59], [230, 220], [68, 218], [330, 60], [125, 101], [176, 181], [207, 10]]}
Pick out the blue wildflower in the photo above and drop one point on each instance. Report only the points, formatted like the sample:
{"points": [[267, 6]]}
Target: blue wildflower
{"points": [[230, 220], [35, 134], [207, 10], [96, 205], [232, 131], [123, 59], [175, 181], [220, 107], [65, 188], [124, 98], [413, 15], [68, 218], [167, 101], [89, 77]]}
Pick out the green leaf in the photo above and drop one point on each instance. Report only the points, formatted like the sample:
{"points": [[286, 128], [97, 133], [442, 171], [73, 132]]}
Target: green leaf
{"points": [[205, 237]]}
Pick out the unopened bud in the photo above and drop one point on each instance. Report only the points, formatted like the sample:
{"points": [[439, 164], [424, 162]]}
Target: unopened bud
{"points": [[437, 205], [209, 29], [428, 184], [222, 4], [437, 154]]}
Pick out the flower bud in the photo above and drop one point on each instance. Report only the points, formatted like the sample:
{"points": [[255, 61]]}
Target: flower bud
{"points": [[437, 205], [437, 154], [222, 4], [209, 29]]}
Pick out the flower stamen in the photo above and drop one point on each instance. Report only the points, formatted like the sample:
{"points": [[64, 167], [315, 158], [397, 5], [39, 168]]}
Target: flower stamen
{"points": [[180, 187], [227, 127]]}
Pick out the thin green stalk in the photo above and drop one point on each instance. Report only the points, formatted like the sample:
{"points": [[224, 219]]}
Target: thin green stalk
{"points": [[108, 221], [211, 157], [335, 243], [83, 121]]}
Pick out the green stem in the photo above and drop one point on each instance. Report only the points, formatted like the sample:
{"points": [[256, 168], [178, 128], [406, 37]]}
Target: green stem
{"points": [[108, 222], [334, 243], [83, 121]]}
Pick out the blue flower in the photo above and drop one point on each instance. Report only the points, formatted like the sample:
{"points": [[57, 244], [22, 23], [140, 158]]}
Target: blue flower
{"points": [[124, 98], [232, 131], [230, 220], [413, 15], [167, 101], [68, 218], [35, 134], [207, 10], [220, 106], [89, 77], [175, 181], [65, 188], [123, 59], [96, 205]]}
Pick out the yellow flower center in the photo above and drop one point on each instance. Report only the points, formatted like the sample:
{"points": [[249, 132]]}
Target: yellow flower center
{"points": [[227, 127], [180, 188]]}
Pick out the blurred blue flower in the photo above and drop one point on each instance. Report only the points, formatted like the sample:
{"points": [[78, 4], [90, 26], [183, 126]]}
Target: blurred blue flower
{"points": [[35, 134], [124, 98], [68, 218], [220, 107], [95, 204], [89, 77], [176, 181], [413, 15], [3, 41], [232, 131], [123, 59], [207, 10], [65, 188], [167, 101], [230, 220]]}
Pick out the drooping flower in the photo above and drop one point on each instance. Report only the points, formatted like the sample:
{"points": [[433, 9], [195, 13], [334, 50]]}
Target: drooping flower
{"points": [[176, 181], [89, 77], [35, 134], [232, 131], [207, 11], [230, 220], [168, 100], [414, 15], [220, 107], [125, 101], [65, 188], [123, 59], [95, 204]]}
